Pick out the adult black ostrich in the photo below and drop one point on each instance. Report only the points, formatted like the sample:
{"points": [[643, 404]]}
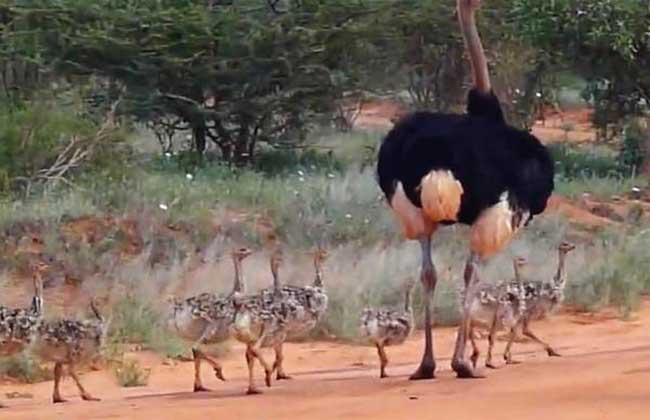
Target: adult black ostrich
{"points": [[441, 169]]}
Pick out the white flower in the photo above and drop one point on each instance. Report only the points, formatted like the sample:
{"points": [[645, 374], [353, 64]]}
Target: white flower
{"points": [[189, 176], [636, 189], [301, 173], [301, 179], [330, 176], [538, 94], [168, 154], [163, 206], [348, 216]]}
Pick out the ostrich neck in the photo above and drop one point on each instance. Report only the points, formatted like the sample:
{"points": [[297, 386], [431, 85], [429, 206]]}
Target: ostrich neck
{"points": [[517, 273], [239, 286], [38, 294], [318, 281], [560, 276], [276, 278], [407, 300], [480, 74]]}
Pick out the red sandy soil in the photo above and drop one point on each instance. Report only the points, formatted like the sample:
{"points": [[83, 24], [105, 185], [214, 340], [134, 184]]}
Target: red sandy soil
{"points": [[604, 374], [578, 215]]}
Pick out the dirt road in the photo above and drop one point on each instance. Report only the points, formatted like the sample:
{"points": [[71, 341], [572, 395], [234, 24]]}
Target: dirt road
{"points": [[604, 374]]}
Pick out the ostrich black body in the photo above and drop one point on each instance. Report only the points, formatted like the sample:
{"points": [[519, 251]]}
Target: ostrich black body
{"points": [[484, 154]]}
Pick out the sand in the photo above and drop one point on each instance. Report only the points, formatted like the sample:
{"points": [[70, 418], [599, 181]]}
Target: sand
{"points": [[604, 374]]}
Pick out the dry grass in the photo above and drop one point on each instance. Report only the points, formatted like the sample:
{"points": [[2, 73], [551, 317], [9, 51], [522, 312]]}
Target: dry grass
{"points": [[129, 374], [337, 206]]}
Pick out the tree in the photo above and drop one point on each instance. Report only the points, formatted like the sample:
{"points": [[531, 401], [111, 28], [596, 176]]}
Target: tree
{"points": [[419, 48], [606, 41], [240, 73], [234, 74]]}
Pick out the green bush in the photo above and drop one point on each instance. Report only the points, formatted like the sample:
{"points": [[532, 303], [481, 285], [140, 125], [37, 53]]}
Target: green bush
{"points": [[31, 137], [631, 154], [35, 136], [572, 163], [135, 321], [24, 368], [284, 161], [129, 373], [620, 275], [596, 170]]}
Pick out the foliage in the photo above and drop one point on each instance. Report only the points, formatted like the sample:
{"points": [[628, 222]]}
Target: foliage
{"points": [[635, 150], [619, 277], [24, 368], [603, 187], [592, 161], [238, 76], [607, 41], [31, 138], [137, 322], [593, 169], [44, 143], [243, 74], [129, 373], [632, 151]]}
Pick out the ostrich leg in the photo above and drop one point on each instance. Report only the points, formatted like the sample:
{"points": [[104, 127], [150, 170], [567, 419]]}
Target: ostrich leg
{"points": [[428, 278], [458, 362]]}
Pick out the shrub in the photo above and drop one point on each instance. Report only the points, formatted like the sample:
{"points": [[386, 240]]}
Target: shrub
{"points": [[48, 143], [24, 368], [129, 373], [618, 275], [135, 321], [598, 162]]}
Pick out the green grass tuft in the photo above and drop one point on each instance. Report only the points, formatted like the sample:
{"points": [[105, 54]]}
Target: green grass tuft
{"points": [[24, 368], [137, 322], [129, 373]]}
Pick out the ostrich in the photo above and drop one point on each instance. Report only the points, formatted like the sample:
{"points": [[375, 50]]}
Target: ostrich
{"points": [[19, 326], [206, 318], [309, 302], [495, 306], [441, 169], [388, 327], [541, 299], [261, 320], [70, 342]]}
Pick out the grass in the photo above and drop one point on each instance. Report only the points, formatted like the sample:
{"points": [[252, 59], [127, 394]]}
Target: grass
{"points": [[617, 273], [603, 187], [310, 198], [129, 373], [137, 322], [305, 205], [590, 161], [24, 368], [596, 170]]}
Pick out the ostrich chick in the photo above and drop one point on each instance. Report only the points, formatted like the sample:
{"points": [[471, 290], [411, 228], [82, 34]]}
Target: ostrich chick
{"points": [[495, 306], [206, 319], [70, 342], [541, 300], [18, 326], [387, 327]]}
